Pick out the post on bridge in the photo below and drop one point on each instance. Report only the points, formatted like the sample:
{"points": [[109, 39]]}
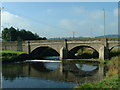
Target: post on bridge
{"points": [[29, 49]]}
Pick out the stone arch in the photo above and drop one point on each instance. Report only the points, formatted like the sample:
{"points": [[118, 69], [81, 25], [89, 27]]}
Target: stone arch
{"points": [[114, 47], [42, 51], [75, 49]]}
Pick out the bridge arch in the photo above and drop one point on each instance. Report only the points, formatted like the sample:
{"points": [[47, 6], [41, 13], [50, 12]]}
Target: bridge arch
{"points": [[73, 51], [114, 47], [43, 51]]}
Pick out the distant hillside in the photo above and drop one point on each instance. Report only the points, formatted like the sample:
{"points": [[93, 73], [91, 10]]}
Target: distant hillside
{"points": [[66, 38], [108, 36]]}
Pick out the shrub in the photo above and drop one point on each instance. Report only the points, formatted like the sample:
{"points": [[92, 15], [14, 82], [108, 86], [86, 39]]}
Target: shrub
{"points": [[112, 67]]}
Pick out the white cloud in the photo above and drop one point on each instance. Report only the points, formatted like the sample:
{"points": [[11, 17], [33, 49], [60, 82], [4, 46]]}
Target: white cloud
{"points": [[101, 27], [69, 24], [9, 19], [92, 26], [78, 10], [49, 10], [81, 26], [116, 12], [97, 15], [84, 22]]}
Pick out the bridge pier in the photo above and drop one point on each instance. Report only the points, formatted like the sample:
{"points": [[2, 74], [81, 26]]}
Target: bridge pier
{"points": [[63, 53], [104, 50], [103, 53]]}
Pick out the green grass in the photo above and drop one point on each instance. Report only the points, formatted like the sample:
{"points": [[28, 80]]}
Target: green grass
{"points": [[12, 52], [111, 82], [9, 55], [94, 60], [115, 52]]}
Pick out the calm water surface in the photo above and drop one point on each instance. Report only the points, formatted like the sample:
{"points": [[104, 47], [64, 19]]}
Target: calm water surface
{"points": [[50, 74]]}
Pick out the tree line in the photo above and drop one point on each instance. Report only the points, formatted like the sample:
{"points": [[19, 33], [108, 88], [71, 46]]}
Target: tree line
{"points": [[12, 34]]}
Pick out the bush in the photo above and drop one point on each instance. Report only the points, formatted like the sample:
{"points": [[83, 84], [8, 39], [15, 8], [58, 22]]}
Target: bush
{"points": [[12, 56], [106, 83], [112, 66]]}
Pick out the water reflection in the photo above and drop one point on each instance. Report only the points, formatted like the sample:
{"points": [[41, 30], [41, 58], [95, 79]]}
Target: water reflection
{"points": [[51, 66], [85, 67], [52, 57], [63, 72]]}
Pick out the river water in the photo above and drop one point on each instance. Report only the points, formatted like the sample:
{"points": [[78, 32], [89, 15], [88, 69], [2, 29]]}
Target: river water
{"points": [[50, 74]]}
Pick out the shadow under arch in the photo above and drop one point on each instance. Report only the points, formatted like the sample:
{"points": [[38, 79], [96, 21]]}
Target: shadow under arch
{"points": [[40, 67], [41, 52], [73, 51]]}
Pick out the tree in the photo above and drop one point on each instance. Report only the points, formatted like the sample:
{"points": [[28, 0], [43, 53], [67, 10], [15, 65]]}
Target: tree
{"points": [[5, 34], [12, 34]]}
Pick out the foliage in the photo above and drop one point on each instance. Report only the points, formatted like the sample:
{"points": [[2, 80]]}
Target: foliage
{"points": [[112, 66], [10, 51], [87, 53], [10, 56], [12, 34], [106, 83], [115, 52]]}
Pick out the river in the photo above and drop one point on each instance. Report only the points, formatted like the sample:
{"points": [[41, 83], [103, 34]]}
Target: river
{"points": [[50, 74]]}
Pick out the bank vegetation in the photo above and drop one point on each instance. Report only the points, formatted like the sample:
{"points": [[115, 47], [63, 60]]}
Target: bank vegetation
{"points": [[112, 76], [12, 56]]}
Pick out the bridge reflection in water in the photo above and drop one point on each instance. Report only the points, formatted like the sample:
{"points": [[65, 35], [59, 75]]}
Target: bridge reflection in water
{"points": [[57, 71]]}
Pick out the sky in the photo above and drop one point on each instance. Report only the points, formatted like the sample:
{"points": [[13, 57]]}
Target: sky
{"points": [[62, 19]]}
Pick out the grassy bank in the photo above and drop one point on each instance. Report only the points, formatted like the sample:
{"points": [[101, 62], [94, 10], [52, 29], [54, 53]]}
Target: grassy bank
{"points": [[106, 83], [111, 80], [10, 51], [11, 56]]}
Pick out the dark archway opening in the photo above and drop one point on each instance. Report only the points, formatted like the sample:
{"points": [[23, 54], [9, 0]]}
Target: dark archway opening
{"points": [[114, 51], [42, 52], [83, 52]]}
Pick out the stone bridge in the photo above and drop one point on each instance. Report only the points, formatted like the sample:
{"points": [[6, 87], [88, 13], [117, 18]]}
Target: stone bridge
{"points": [[65, 48]]}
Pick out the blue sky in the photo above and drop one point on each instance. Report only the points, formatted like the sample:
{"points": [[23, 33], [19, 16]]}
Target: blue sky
{"points": [[61, 19]]}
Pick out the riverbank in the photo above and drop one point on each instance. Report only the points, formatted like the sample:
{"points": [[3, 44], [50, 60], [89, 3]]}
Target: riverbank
{"points": [[12, 56], [83, 60], [111, 80]]}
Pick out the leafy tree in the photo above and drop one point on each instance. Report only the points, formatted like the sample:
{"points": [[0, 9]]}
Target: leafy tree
{"points": [[36, 35], [5, 34], [12, 34]]}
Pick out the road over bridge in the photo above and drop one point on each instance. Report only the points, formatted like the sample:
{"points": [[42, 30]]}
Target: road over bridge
{"points": [[65, 48]]}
